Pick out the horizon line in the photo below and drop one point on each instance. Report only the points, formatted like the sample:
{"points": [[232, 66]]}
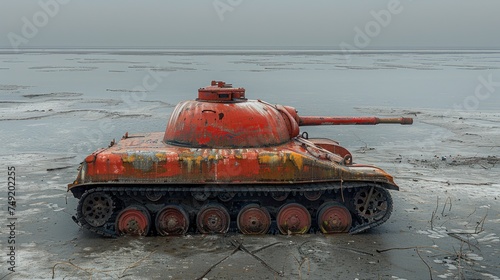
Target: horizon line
{"points": [[328, 48]]}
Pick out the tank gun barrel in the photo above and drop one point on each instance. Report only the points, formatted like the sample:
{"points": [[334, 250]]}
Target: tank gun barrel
{"points": [[318, 120]]}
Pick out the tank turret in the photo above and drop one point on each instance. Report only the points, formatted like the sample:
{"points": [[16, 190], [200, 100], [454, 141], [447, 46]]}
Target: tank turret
{"points": [[221, 117], [225, 163]]}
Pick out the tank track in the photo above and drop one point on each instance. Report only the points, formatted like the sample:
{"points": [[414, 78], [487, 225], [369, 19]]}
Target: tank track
{"points": [[354, 196]]}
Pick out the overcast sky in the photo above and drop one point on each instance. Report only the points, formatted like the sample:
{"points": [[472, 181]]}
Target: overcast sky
{"points": [[353, 24]]}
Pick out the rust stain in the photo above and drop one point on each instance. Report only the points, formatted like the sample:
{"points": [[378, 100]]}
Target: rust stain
{"points": [[290, 162]]}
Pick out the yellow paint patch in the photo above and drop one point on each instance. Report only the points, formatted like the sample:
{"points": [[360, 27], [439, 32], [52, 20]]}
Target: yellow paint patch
{"points": [[129, 158], [161, 156], [199, 159], [270, 159], [297, 159]]}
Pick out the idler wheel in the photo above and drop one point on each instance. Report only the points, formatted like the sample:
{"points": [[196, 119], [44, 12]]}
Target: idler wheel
{"points": [[293, 218], [254, 219], [172, 220], [133, 220], [97, 208], [334, 217], [313, 195], [213, 218], [371, 203]]}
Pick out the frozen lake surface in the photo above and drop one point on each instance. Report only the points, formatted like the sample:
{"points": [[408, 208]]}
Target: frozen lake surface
{"points": [[103, 93], [57, 106]]}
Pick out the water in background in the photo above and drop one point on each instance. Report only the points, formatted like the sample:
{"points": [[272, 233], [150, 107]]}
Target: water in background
{"points": [[75, 101]]}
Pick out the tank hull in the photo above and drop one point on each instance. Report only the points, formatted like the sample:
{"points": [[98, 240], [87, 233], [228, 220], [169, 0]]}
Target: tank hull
{"points": [[146, 159], [141, 178]]}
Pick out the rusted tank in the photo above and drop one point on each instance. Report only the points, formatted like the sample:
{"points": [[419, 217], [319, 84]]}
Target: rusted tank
{"points": [[226, 163]]}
